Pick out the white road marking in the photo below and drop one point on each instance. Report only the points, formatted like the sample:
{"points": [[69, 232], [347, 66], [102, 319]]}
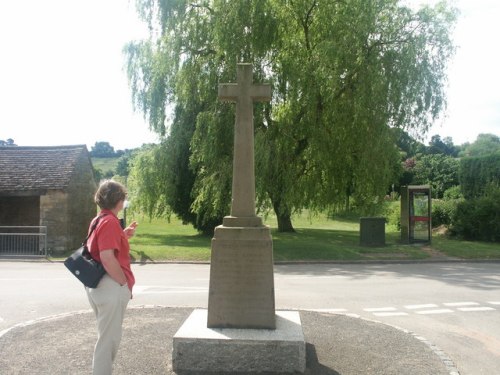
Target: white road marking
{"points": [[456, 304], [467, 309], [171, 292], [43, 319], [328, 310], [142, 289], [1, 319], [284, 277], [380, 309], [39, 279], [353, 315], [438, 311], [415, 307], [398, 313], [430, 309]]}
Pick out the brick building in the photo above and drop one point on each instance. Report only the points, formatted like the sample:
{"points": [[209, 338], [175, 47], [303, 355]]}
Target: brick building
{"points": [[48, 186]]}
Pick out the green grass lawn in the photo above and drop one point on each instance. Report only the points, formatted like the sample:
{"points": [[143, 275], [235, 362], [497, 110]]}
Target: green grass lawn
{"points": [[157, 240], [466, 249], [316, 239]]}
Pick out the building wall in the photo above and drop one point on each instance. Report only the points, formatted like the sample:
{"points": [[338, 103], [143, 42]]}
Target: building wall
{"points": [[81, 206], [53, 215]]}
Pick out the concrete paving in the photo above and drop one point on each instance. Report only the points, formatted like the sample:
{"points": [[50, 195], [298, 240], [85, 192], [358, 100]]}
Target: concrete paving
{"points": [[336, 344]]}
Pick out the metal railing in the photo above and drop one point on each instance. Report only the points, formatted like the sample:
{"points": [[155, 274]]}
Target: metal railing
{"points": [[23, 241]]}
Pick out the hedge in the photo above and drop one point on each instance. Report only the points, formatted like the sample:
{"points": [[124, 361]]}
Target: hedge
{"points": [[476, 173], [479, 218]]}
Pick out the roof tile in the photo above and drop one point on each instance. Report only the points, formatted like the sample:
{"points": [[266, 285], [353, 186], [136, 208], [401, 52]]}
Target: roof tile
{"points": [[37, 168]]}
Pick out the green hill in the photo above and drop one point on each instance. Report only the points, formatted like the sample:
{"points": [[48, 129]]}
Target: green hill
{"points": [[105, 164]]}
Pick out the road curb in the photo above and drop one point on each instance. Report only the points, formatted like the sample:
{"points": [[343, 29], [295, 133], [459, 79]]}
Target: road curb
{"points": [[447, 361], [338, 262]]}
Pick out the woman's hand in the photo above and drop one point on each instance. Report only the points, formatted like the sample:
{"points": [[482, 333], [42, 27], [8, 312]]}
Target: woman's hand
{"points": [[130, 230], [112, 267]]}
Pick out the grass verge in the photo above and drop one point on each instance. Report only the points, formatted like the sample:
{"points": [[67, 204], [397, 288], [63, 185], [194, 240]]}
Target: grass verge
{"points": [[316, 239], [466, 249]]}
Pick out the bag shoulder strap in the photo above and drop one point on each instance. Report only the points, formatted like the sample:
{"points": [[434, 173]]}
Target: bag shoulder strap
{"points": [[84, 243]]}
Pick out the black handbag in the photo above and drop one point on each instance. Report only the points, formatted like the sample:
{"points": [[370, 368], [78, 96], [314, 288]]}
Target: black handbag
{"points": [[83, 266]]}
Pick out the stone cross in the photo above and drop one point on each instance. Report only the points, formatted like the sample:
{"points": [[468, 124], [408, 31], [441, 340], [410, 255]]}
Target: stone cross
{"points": [[244, 93], [241, 291]]}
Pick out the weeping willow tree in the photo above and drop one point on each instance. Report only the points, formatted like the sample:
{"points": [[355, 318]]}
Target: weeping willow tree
{"points": [[344, 74]]}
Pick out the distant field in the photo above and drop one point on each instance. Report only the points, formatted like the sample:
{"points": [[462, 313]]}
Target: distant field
{"points": [[105, 164]]}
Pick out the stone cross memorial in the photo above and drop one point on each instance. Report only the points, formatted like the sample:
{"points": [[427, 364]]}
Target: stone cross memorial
{"points": [[241, 332], [241, 292]]}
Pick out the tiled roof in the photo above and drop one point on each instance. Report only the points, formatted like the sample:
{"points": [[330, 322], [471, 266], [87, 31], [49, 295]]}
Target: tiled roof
{"points": [[38, 168]]}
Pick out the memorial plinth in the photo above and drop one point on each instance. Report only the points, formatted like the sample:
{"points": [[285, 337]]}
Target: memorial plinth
{"points": [[199, 349], [241, 292], [241, 332]]}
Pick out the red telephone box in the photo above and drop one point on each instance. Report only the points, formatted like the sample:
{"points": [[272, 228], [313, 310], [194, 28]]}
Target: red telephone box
{"points": [[416, 214]]}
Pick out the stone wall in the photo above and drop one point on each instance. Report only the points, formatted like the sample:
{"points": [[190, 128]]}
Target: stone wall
{"points": [[81, 206], [53, 215]]}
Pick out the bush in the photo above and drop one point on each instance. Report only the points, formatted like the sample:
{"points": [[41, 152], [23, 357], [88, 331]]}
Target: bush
{"points": [[455, 192], [479, 219], [392, 213], [443, 211]]}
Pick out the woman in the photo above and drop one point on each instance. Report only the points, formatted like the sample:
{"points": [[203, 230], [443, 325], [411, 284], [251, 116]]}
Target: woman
{"points": [[109, 245]]}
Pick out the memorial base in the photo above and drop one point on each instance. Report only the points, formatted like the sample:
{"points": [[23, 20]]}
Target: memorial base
{"points": [[241, 289], [198, 349]]}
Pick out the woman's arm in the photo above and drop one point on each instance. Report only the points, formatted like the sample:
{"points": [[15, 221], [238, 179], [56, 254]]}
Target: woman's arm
{"points": [[112, 266], [130, 230]]}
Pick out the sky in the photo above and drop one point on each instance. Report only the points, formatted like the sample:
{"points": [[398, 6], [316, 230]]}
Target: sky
{"points": [[62, 77]]}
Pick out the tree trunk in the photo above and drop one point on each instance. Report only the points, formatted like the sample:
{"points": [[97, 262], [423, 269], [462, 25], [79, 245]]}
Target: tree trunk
{"points": [[283, 215], [285, 223], [347, 205], [348, 193]]}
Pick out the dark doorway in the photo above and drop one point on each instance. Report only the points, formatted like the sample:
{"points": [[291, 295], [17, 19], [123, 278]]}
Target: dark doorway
{"points": [[20, 233], [19, 211]]}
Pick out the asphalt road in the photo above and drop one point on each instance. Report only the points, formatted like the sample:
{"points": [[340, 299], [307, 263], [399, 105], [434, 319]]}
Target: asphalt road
{"points": [[456, 306]]}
